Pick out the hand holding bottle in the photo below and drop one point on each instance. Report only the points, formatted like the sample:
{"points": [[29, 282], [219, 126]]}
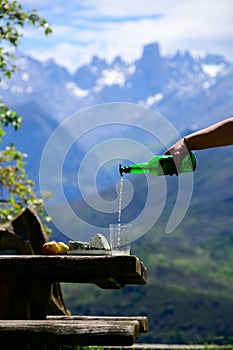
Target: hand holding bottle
{"points": [[161, 165], [179, 151]]}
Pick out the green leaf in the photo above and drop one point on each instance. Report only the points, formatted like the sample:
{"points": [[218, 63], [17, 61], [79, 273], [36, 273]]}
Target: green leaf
{"points": [[17, 190]]}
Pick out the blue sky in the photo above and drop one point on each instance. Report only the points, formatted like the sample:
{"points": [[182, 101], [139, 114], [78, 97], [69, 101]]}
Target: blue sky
{"points": [[110, 28]]}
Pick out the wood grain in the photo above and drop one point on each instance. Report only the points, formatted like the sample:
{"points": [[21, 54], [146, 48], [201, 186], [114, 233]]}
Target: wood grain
{"points": [[69, 332], [101, 270]]}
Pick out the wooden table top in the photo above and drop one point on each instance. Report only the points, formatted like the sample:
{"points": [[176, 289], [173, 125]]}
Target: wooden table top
{"points": [[105, 271]]}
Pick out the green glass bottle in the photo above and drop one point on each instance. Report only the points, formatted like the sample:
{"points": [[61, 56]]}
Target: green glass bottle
{"points": [[161, 165]]}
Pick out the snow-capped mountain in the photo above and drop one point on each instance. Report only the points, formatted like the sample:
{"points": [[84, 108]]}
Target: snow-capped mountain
{"points": [[188, 90]]}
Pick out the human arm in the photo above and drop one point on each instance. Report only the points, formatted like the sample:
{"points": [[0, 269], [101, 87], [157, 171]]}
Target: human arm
{"points": [[216, 135]]}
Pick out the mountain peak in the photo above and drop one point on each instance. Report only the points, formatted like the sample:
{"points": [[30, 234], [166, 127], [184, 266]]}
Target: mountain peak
{"points": [[151, 51]]}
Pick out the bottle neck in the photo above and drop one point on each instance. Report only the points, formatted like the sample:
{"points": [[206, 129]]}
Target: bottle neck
{"points": [[135, 169]]}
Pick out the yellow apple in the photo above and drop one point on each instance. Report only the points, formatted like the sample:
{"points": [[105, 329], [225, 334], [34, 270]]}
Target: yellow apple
{"points": [[62, 248], [50, 248]]}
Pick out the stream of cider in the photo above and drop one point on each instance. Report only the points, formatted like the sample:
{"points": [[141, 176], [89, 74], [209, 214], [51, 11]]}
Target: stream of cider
{"points": [[120, 209], [120, 200]]}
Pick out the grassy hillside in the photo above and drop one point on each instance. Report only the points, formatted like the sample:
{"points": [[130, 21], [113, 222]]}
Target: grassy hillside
{"points": [[189, 295]]}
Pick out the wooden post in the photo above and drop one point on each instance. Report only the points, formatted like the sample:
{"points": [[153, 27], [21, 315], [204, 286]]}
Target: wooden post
{"points": [[15, 303]]}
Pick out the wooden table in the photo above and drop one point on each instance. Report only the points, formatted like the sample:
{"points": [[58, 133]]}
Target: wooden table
{"points": [[25, 287]]}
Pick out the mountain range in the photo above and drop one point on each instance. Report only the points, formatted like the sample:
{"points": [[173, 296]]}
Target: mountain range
{"points": [[187, 90]]}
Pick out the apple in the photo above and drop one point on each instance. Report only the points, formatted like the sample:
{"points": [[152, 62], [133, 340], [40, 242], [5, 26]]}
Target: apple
{"points": [[50, 248], [62, 248]]}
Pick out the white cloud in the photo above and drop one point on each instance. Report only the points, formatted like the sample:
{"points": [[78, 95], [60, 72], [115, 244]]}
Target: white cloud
{"points": [[108, 28], [65, 54]]}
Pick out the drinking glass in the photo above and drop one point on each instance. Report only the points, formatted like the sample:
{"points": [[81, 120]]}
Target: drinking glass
{"points": [[120, 237]]}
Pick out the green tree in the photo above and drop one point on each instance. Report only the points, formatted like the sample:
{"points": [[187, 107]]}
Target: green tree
{"points": [[16, 189]]}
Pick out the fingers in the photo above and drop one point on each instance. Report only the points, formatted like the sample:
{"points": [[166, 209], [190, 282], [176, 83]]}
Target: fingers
{"points": [[179, 150], [177, 160], [177, 157]]}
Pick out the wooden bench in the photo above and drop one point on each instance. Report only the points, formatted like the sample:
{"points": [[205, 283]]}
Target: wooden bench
{"points": [[26, 280], [30, 291], [72, 330]]}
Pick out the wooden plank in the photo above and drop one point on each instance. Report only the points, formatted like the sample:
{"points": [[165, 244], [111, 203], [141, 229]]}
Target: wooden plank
{"points": [[78, 269], [72, 332], [143, 320]]}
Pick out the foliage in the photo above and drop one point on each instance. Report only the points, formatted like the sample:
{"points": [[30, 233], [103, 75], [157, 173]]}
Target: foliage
{"points": [[8, 116], [70, 347], [13, 17], [153, 346], [16, 189]]}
